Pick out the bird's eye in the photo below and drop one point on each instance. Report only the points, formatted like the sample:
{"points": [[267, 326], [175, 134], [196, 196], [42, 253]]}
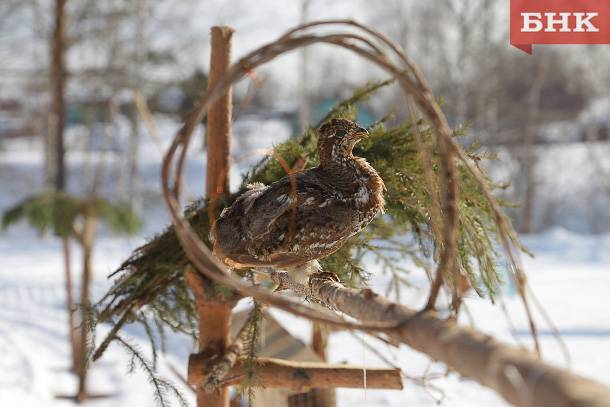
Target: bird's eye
{"points": [[340, 133]]}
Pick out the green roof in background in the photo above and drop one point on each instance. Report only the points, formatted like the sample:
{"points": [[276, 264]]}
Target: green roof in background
{"points": [[320, 110]]}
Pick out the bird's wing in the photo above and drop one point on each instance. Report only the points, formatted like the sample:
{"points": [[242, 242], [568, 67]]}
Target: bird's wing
{"points": [[278, 201], [262, 229], [318, 233]]}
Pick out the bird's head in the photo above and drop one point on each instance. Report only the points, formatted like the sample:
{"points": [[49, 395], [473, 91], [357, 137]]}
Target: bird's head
{"points": [[337, 138]]}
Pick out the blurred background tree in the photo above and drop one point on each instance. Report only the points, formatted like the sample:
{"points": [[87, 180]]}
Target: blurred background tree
{"points": [[74, 219]]}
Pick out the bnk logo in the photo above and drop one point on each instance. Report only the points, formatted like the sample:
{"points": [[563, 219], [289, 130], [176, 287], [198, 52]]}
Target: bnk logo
{"points": [[533, 22], [559, 22]]}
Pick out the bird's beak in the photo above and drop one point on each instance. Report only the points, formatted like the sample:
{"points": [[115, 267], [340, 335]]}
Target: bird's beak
{"points": [[361, 133]]}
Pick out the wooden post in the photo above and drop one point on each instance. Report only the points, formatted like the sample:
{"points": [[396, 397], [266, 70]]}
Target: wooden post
{"points": [[214, 328], [319, 343], [213, 309], [219, 118]]}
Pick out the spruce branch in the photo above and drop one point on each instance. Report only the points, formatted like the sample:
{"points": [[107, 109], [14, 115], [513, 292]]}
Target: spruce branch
{"points": [[161, 386], [251, 341]]}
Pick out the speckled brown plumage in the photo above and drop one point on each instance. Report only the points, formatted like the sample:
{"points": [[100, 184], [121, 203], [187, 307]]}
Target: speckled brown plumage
{"points": [[334, 201]]}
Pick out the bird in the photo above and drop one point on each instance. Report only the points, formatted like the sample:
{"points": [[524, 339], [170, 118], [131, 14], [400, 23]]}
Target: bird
{"points": [[292, 223]]}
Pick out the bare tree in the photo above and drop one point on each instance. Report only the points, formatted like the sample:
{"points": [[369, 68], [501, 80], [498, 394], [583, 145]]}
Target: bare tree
{"points": [[133, 150], [55, 142]]}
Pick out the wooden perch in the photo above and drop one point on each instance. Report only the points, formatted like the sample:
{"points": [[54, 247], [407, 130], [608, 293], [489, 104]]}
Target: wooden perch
{"points": [[518, 376], [300, 376]]}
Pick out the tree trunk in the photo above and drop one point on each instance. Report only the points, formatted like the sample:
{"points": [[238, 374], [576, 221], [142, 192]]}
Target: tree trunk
{"points": [[55, 142], [530, 157], [135, 193], [517, 375], [70, 307], [213, 309], [87, 237], [54, 154]]}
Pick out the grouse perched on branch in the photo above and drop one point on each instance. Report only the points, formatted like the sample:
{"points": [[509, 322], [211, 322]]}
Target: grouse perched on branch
{"points": [[307, 215]]}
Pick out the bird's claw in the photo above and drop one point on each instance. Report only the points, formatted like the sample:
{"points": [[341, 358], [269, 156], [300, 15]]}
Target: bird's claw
{"points": [[280, 287], [279, 280]]}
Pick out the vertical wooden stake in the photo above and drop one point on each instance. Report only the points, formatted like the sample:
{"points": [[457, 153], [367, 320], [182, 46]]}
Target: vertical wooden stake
{"points": [[215, 311], [219, 118], [319, 343]]}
